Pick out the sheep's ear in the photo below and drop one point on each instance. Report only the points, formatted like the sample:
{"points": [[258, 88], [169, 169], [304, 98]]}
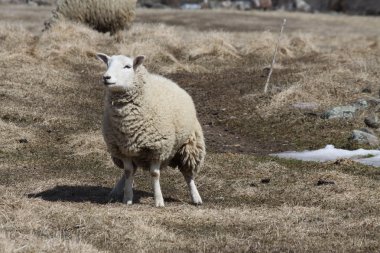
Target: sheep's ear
{"points": [[138, 61], [103, 57]]}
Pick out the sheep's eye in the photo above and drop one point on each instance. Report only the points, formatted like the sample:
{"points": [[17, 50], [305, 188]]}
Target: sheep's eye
{"points": [[127, 66]]}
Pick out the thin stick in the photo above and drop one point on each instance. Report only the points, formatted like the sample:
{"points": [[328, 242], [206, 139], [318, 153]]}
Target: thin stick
{"points": [[274, 57]]}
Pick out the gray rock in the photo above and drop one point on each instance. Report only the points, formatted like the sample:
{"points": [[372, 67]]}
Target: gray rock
{"points": [[367, 130], [345, 112], [340, 112], [364, 138], [360, 104], [374, 101], [372, 121]]}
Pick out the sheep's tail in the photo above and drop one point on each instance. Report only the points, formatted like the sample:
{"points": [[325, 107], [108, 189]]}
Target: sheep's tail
{"points": [[190, 156]]}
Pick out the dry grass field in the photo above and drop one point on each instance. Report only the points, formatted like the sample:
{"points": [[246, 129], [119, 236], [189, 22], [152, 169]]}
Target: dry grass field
{"points": [[55, 173]]}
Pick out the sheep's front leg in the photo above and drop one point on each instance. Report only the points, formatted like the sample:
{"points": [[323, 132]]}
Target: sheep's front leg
{"points": [[128, 187], [155, 173], [194, 194]]}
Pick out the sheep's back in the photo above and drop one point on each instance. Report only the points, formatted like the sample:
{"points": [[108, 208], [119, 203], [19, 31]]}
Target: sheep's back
{"points": [[172, 106], [102, 15]]}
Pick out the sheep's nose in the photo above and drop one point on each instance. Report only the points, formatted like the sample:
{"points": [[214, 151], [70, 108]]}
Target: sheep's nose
{"points": [[108, 80]]}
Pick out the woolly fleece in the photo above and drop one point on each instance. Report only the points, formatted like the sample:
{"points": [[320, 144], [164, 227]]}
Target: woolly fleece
{"points": [[154, 121], [102, 15]]}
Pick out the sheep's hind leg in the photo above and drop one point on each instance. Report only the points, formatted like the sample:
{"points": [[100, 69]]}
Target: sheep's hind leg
{"points": [[118, 189], [128, 187], [194, 194], [155, 173]]}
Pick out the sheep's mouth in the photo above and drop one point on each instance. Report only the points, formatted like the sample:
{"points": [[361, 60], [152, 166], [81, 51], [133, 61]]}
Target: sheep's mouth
{"points": [[114, 87]]}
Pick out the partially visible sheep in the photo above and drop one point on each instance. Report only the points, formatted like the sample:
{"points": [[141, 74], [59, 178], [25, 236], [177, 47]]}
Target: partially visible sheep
{"points": [[102, 15], [149, 122]]}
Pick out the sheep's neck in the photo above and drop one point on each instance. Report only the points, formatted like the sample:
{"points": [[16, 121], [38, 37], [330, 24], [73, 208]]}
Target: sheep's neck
{"points": [[131, 95], [120, 99]]}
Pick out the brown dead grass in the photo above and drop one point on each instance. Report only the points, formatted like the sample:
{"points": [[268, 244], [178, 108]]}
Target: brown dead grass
{"points": [[290, 213], [53, 189]]}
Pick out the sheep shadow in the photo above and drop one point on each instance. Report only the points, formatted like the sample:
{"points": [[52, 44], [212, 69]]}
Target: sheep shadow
{"points": [[93, 194]]}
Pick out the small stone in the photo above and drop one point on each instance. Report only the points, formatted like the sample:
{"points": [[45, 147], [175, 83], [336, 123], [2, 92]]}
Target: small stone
{"points": [[265, 72], [345, 112], [253, 185], [23, 141], [372, 121], [344, 161], [340, 112], [265, 180], [324, 182], [364, 138], [367, 90]]}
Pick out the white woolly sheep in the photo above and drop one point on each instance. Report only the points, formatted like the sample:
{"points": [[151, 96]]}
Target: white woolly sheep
{"points": [[102, 15], [149, 122]]}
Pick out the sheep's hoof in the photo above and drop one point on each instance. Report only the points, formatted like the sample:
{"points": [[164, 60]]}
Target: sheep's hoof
{"points": [[197, 201], [127, 201], [160, 204]]}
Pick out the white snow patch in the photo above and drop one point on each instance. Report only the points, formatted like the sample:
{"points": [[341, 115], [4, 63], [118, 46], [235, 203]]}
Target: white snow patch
{"points": [[330, 153]]}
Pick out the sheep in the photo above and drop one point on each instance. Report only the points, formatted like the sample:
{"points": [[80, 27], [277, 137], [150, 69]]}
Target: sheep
{"points": [[102, 15], [149, 122]]}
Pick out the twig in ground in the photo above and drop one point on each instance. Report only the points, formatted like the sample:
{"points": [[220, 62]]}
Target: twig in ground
{"points": [[274, 57]]}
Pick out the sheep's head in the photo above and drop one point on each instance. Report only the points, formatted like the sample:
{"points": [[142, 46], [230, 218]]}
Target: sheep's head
{"points": [[120, 71]]}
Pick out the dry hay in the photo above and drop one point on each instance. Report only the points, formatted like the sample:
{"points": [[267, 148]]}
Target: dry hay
{"points": [[327, 76], [58, 68], [32, 243], [83, 144], [12, 135], [197, 52], [169, 49], [52, 96]]}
